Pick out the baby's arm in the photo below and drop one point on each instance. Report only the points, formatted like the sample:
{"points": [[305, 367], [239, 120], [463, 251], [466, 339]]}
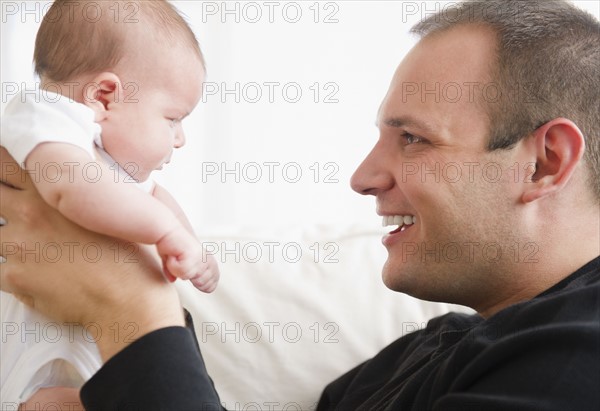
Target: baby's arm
{"points": [[115, 208], [206, 280]]}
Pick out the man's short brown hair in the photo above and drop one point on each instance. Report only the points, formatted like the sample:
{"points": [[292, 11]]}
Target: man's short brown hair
{"points": [[549, 51]]}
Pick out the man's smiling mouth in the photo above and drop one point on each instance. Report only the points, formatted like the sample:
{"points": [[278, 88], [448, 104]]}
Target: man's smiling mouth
{"points": [[402, 221]]}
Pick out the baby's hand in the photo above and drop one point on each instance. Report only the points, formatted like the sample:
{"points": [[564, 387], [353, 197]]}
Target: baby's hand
{"points": [[183, 257], [207, 280]]}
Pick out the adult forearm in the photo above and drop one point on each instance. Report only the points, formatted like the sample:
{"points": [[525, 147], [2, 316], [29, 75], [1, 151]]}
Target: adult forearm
{"points": [[161, 371]]}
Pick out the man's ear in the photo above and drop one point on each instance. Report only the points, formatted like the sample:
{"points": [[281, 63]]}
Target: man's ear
{"points": [[101, 92], [558, 146]]}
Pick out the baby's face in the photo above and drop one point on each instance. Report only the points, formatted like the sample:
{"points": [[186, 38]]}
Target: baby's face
{"points": [[142, 129]]}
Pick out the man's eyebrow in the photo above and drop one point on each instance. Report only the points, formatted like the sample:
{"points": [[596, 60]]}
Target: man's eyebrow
{"points": [[406, 121]]}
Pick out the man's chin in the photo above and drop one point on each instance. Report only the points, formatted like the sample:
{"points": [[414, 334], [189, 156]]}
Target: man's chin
{"points": [[411, 278], [396, 277]]}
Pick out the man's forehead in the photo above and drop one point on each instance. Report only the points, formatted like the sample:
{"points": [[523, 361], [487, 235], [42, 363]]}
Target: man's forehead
{"points": [[460, 54], [441, 73]]}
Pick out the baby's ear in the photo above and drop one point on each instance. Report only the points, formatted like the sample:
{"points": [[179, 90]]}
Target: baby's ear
{"points": [[101, 92]]}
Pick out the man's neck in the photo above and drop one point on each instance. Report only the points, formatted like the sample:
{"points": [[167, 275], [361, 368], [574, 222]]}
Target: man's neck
{"points": [[556, 259]]}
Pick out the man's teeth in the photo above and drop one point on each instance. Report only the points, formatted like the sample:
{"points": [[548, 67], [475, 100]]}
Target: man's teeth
{"points": [[398, 220]]}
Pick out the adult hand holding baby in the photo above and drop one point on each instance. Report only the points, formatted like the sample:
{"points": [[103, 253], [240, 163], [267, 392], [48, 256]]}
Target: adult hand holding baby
{"points": [[113, 288]]}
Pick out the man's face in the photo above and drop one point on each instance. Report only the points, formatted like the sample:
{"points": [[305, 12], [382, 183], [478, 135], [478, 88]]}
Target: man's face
{"points": [[431, 167]]}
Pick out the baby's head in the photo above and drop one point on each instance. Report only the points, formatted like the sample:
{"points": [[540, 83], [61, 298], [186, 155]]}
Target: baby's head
{"points": [[137, 64]]}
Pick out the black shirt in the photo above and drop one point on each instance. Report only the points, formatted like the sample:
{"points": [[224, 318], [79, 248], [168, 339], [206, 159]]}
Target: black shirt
{"points": [[542, 354]]}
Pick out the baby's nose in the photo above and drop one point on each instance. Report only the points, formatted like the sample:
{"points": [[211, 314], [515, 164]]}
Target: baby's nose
{"points": [[179, 139]]}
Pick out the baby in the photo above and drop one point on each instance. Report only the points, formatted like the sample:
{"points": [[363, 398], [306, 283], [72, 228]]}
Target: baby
{"points": [[116, 85]]}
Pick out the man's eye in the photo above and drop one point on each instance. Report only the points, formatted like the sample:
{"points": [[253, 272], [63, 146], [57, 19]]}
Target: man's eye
{"points": [[410, 139]]}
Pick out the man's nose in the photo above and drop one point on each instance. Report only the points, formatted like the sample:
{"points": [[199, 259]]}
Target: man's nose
{"points": [[373, 174]]}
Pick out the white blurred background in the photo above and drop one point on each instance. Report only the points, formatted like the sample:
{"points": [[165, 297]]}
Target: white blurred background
{"points": [[289, 107]]}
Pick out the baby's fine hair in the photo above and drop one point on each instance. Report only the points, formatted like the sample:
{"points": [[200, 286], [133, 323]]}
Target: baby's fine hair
{"points": [[87, 37]]}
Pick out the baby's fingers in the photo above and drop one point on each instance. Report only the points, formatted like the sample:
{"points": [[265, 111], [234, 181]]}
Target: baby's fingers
{"points": [[170, 277], [205, 284], [180, 267]]}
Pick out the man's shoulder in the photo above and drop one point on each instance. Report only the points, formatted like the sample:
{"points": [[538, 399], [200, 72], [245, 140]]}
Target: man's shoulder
{"points": [[584, 279], [506, 361], [547, 347], [561, 326], [574, 300]]}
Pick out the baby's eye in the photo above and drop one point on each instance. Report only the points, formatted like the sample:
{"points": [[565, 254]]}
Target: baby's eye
{"points": [[173, 122]]}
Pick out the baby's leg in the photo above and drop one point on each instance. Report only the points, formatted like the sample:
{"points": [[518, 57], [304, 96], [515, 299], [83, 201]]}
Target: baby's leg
{"points": [[55, 398]]}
